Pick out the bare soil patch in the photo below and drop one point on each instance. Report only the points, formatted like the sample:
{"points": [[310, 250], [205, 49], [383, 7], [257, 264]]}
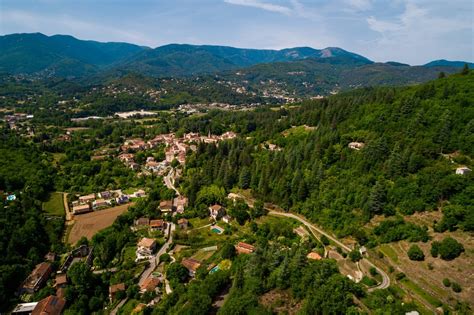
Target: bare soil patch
{"points": [[280, 302], [429, 274], [90, 223]]}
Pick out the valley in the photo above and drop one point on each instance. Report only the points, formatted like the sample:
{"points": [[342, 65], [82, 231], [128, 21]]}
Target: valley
{"points": [[218, 207]]}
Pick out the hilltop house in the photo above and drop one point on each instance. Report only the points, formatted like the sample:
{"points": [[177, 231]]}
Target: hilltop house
{"points": [[115, 289], [105, 195], [126, 158], [157, 225], [86, 198], [183, 223], [216, 211], [79, 209], [166, 206], [463, 170], [37, 278], [142, 222], [244, 248], [180, 203], [227, 218], [150, 284], [99, 203], [314, 256], [356, 145], [192, 265], [145, 247], [51, 305], [81, 253], [122, 199], [60, 281]]}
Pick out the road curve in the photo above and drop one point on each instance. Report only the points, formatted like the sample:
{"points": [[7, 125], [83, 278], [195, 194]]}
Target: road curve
{"points": [[385, 278], [169, 181]]}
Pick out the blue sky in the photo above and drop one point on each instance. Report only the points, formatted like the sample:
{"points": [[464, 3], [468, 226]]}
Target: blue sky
{"points": [[411, 31]]}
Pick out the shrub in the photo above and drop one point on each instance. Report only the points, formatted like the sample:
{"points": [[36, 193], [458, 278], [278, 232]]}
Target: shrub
{"points": [[324, 240], [373, 271], [435, 249], [456, 287], [446, 282], [449, 248], [400, 276], [415, 253], [355, 255], [165, 257]]}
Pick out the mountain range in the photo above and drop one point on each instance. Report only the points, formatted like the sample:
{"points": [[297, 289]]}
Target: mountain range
{"points": [[65, 56]]}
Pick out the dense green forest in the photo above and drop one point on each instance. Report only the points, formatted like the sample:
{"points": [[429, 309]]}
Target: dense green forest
{"points": [[25, 234], [402, 169], [415, 137]]}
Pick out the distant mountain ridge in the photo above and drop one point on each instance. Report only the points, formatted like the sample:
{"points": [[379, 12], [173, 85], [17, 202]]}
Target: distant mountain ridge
{"points": [[448, 63], [306, 69], [184, 59], [61, 55], [64, 55]]}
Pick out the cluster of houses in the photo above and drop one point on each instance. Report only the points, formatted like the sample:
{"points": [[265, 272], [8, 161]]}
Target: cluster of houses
{"points": [[176, 148], [37, 279], [12, 120], [176, 205], [91, 202], [199, 107]]}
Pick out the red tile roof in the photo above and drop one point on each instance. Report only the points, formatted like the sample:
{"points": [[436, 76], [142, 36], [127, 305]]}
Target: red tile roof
{"points": [[52, 305]]}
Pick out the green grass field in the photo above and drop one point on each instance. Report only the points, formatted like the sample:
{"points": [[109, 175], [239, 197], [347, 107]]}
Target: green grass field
{"points": [[422, 293], [389, 252], [55, 205]]}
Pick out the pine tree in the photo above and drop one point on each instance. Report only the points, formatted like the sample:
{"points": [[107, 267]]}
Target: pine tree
{"points": [[244, 178], [377, 198]]}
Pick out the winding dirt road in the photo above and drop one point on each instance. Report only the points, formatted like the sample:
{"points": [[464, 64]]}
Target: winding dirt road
{"points": [[385, 278]]}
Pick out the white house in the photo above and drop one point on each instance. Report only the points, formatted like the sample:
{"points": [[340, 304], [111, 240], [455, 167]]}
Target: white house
{"points": [[463, 170]]}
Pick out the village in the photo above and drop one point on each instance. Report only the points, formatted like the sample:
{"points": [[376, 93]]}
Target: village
{"points": [[155, 243], [175, 149]]}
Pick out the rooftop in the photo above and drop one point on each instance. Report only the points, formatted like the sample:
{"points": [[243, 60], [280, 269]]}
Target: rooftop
{"points": [[52, 305], [117, 287], [146, 242], [191, 264]]}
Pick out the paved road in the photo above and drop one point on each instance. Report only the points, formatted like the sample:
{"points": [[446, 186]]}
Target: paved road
{"points": [[115, 310], [155, 261], [169, 181], [385, 278]]}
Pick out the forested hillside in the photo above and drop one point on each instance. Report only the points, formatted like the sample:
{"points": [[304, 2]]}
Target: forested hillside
{"points": [[59, 55], [415, 138], [25, 234], [315, 76]]}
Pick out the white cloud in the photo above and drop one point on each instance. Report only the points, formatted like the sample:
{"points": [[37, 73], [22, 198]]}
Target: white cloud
{"points": [[296, 8], [382, 26], [262, 5], [361, 5], [417, 32]]}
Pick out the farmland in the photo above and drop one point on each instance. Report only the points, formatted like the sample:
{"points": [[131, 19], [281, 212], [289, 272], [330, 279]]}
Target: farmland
{"points": [[90, 223]]}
